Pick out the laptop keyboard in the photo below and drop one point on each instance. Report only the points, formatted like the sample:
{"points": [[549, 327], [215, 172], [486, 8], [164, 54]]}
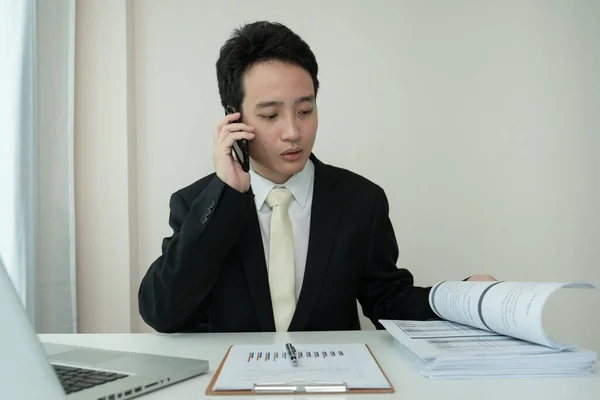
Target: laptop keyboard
{"points": [[76, 379]]}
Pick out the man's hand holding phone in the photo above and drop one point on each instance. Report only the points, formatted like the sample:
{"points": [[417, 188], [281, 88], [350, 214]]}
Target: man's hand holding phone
{"points": [[227, 168]]}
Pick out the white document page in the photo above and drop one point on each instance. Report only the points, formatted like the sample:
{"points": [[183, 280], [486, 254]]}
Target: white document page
{"points": [[509, 308], [459, 301], [463, 346], [351, 364], [440, 329]]}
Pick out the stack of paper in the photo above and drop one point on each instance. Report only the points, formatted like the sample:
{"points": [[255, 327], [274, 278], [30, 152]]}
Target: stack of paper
{"points": [[490, 329], [471, 353]]}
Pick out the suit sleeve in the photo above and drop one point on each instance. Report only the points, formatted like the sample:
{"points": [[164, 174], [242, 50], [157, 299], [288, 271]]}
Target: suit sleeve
{"points": [[388, 292], [174, 295]]}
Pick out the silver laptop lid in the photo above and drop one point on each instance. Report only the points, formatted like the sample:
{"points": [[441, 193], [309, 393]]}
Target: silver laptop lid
{"points": [[25, 372]]}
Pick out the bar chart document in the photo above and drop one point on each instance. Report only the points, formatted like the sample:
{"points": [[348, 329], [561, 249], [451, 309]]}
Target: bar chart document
{"points": [[351, 364]]}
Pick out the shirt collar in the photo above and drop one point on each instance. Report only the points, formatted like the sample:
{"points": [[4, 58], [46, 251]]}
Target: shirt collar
{"points": [[299, 184]]}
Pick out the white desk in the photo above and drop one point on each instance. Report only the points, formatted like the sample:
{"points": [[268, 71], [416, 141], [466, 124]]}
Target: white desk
{"points": [[394, 360]]}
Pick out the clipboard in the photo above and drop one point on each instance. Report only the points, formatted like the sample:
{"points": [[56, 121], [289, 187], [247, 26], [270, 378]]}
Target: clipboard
{"points": [[298, 386]]}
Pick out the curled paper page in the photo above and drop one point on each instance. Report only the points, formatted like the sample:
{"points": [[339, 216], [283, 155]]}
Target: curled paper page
{"points": [[509, 308]]}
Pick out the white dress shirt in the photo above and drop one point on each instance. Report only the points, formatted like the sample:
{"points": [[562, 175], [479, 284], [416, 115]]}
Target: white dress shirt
{"points": [[301, 185]]}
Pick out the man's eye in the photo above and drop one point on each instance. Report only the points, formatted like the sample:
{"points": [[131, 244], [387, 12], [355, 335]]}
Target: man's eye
{"points": [[306, 112], [273, 116]]}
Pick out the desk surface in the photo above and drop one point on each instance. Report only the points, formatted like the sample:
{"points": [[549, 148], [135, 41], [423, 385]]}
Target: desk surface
{"points": [[393, 358]]}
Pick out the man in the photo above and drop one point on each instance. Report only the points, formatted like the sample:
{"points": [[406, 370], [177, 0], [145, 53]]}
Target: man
{"points": [[292, 244]]}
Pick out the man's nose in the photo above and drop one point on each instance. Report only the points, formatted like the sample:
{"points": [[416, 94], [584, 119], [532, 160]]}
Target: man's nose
{"points": [[291, 131]]}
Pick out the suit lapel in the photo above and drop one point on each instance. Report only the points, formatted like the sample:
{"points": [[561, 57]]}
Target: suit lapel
{"points": [[255, 268], [325, 214]]}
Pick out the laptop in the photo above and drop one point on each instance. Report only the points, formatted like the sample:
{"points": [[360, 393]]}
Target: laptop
{"points": [[30, 369]]}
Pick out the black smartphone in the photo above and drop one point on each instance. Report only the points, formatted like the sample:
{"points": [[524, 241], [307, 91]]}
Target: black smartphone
{"points": [[240, 147]]}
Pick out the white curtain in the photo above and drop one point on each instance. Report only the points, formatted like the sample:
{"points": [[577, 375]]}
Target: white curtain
{"points": [[37, 226]]}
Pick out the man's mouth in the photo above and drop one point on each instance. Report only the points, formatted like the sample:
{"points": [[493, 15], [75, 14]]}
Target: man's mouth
{"points": [[291, 151], [292, 154]]}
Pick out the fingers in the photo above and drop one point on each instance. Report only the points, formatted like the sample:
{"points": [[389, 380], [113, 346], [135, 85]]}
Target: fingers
{"points": [[226, 167], [230, 138], [229, 119], [226, 121], [232, 128]]}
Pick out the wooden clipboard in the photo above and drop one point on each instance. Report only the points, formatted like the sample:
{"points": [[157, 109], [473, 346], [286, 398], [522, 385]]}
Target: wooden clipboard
{"points": [[211, 392]]}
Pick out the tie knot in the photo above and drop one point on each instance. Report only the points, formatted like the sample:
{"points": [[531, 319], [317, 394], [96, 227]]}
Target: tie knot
{"points": [[279, 197]]}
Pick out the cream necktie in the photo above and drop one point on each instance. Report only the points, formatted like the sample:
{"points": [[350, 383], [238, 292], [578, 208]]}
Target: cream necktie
{"points": [[282, 271]]}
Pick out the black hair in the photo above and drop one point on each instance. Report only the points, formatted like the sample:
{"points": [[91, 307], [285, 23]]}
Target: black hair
{"points": [[257, 42]]}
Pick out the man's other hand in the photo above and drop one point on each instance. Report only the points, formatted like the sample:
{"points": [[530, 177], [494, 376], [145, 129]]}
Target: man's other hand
{"points": [[481, 278]]}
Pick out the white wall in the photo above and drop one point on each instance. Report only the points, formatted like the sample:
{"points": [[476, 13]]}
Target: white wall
{"points": [[104, 193], [480, 121]]}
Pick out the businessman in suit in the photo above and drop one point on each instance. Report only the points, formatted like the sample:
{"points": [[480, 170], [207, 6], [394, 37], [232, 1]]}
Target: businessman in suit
{"points": [[291, 244]]}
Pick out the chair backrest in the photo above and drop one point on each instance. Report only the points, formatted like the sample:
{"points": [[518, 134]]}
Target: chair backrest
{"points": [[365, 323]]}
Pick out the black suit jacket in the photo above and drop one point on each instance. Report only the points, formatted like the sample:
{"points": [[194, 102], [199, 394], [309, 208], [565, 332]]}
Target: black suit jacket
{"points": [[212, 274]]}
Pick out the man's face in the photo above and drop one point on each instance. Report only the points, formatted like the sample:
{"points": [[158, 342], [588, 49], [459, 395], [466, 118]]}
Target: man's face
{"points": [[279, 102]]}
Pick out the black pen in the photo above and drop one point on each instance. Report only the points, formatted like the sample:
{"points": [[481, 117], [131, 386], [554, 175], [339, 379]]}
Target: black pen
{"points": [[291, 350]]}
